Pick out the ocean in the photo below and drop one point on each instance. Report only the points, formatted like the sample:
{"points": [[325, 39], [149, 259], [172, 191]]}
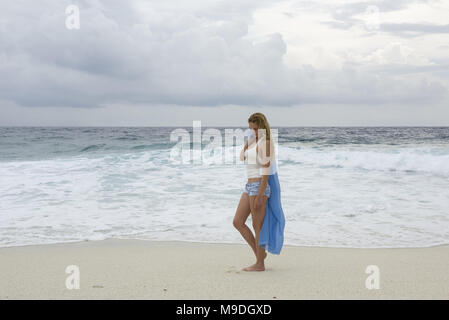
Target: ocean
{"points": [[359, 187]]}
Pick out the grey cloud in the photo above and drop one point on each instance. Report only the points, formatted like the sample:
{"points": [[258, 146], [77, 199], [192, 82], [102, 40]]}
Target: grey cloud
{"points": [[343, 13], [406, 30], [343, 17], [413, 29], [195, 55]]}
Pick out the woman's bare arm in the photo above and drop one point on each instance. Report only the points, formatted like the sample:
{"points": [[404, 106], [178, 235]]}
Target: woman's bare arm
{"points": [[242, 153], [265, 169], [264, 155]]}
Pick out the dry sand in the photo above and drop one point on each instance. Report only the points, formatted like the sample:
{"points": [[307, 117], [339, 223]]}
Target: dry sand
{"points": [[139, 269]]}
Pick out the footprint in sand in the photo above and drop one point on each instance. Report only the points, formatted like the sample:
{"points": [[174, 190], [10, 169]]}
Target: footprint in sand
{"points": [[232, 270]]}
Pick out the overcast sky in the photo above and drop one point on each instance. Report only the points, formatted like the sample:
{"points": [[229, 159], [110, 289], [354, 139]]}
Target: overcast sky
{"points": [[167, 63]]}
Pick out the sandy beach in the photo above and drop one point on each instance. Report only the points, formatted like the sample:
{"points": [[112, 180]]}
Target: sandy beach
{"points": [[138, 269]]}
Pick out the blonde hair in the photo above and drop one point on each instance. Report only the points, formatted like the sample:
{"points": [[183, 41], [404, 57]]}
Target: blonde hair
{"points": [[262, 123]]}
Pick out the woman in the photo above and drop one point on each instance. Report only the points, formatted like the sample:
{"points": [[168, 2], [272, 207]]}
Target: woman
{"points": [[261, 196]]}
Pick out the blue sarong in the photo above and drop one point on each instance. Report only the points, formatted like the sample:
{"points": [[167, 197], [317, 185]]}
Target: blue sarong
{"points": [[271, 235]]}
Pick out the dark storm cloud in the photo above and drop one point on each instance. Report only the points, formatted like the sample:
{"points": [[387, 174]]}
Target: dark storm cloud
{"points": [[171, 52]]}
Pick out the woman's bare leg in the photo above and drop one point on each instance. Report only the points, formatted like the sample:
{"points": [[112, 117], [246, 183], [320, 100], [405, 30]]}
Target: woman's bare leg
{"points": [[239, 222], [257, 217]]}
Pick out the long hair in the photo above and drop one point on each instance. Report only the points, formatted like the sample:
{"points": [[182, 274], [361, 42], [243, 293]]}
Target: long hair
{"points": [[262, 123]]}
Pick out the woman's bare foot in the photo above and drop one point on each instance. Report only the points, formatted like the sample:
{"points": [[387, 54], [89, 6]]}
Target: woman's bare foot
{"points": [[255, 267]]}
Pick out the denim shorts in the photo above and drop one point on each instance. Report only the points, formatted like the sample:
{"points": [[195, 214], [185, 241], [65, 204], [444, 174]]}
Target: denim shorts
{"points": [[252, 189]]}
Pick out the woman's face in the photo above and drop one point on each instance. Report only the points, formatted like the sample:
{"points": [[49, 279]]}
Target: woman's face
{"points": [[253, 127]]}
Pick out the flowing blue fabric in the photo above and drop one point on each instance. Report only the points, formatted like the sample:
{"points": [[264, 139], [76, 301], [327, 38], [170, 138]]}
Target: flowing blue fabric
{"points": [[271, 235]]}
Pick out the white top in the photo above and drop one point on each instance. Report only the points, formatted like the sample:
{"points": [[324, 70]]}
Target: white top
{"points": [[254, 159]]}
